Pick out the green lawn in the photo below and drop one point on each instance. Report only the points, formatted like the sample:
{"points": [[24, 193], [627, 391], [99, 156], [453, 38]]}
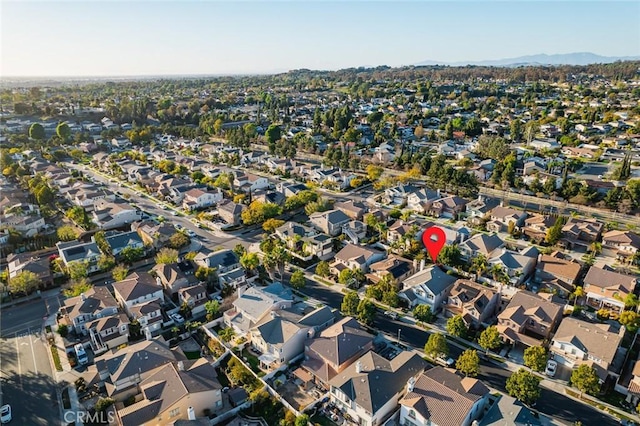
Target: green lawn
{"points": [[252, 360], [321, 420]]}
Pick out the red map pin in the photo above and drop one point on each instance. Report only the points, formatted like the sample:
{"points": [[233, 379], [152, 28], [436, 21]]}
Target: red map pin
{"points": [[434, 239]]}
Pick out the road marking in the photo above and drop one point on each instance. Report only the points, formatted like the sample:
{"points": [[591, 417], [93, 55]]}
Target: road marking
{"points": [[33, 354], [18, 359]]}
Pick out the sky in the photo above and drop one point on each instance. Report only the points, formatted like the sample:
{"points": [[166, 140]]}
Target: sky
{"points": [[128, 38]]}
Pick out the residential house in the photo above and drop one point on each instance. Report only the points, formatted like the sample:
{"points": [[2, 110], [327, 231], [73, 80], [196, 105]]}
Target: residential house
{"points": [[280, 336], [480, 244], [401, 230], [516, 266], [231, 212], [354, 209], [154, 234], [625, 243], [398, 195], [18, 263], [268, 196], [537, 226], [227, 265], [27, 226], [430, 286], [254, 303], [334, 349], [108, 332], [119, 241], [140, 289], [289, 189], [475, 302], [122, 369], [355, 257], [304, 242], [578, 342], [195, 297], [248, 182], [557, 274], [171, 277], [442, 397], [368, 390], [398, 267], [173, 392], [422, 200], [75, 251], [330, 222], [114, 214], [148, 315], [196, 199], [508, 411], [500, 218], [528, 319], [581, 232], [447, 207], [608, 289]]}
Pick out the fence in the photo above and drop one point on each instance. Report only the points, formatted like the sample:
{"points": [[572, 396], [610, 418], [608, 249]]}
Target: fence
{"points": [[230, 414]]}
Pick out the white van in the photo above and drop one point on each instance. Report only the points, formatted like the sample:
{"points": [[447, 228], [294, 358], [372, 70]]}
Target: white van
{"points": [[81, 354]]}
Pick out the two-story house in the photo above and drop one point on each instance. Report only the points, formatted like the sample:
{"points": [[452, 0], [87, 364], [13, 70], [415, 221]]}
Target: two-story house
{"points": [[421, 200], [430, 286], [18, 263], [354, 209], [500, 217], [304, 242], [480, 244], [327, 354], [448, 207], [231, 212], [114, 214], [154, 234], [398, 267], [330, 222], [75, 251], [227, 266], [368, 390], [195, 297], [355, 257], [119, 241], [196, 199], [517, 266], [442, 397], [280, 336], [536, 227], [248, 182], [608, 289], [140, 289], [398, 195], [171, 277], [528, 319], [625, 244], [580, 232], [476, 303], [254, 303], [556, 273], [478, 210], [578, 342]]}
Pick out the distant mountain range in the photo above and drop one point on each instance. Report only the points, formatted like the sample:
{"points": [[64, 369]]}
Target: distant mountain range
{"points": [[578, 58]]}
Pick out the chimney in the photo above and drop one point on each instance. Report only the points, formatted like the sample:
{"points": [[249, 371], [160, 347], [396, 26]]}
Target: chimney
{"points": [[422, 265], [410, 384], [415, 264], [158, 282], [180, 366], [359, 367], [501, 203], [83, 296], [191, 413]]}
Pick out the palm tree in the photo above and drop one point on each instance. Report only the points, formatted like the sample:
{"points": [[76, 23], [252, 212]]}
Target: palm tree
{"points": [[595, 248], [479, 264]]}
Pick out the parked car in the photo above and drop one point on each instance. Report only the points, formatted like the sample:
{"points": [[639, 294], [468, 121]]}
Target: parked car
{"points": [[391, 314], [81, 354], [177, 318], [446, 361], [178, 226], [191, 233], [551, 369], [218, 299], [5, 414]]}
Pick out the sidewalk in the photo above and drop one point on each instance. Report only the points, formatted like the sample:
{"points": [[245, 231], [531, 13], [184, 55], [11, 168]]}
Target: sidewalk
{"points": [[45, 294]]}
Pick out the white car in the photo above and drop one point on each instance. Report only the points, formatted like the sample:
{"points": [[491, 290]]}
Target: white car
{"points": [[445, 361], [177, 318], [5, 414], [191, 233], [552, 366], [391, 314]]}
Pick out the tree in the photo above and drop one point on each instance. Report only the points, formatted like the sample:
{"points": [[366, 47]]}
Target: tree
{"points": [[67, 233], [524, 386], [577, 293], [374, 172], [555, 232], [270, 225], [106, 262], [178, 240], [585, 379], [63, 131], [77, 270], [226, 335], [131, 254], [167, 256], [80, 286], [492, 147], [250, 261], [212, 307], [322, 269], [436, 346], [63, 330], [24, 282], [297, 280], [456, 326], [468, 362], [120, 272], [630, 320], [490, 338], [345, 276], [449, 255], [103, 404], [535, 357], [273, 134], [423, 313], [366, 311], [302, 420], [350, 303], [239, 250], [36, 131]]}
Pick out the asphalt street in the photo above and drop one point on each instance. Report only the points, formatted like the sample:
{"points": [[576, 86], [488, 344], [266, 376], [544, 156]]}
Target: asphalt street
{"points": [[550, 403], [26, 376]]}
